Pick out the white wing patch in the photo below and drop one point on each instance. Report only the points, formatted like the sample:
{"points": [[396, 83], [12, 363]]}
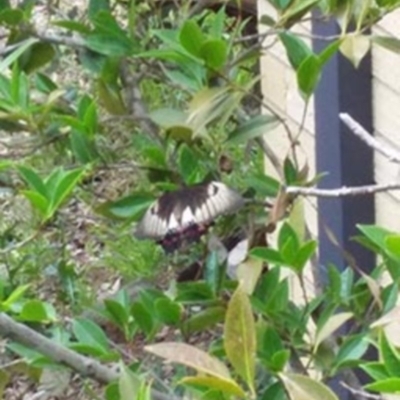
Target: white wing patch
{"points": [[220, 200]]}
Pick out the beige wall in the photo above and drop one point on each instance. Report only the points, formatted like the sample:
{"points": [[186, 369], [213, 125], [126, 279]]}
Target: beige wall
{"points": [[279, 87], [281, 94], [386, 109]]}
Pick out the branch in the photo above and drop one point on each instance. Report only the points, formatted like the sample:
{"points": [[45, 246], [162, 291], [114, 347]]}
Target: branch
{"points": [[367, 138], [83, 365], [343, 191]]}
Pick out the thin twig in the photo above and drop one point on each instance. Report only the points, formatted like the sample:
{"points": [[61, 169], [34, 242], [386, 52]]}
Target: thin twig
{"points": [[343, 191], [361, 394], [366, 137]]}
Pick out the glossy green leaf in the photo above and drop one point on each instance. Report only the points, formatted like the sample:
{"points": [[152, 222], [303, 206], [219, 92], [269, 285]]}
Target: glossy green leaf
{"points": [[89, 333], [36, 311], [191, 37], [266, 254], [308, 75], [40, 54], [188, 164], [263, 184], [296, 48], [168, 311], [240, 336], [389, 355], [14, 297], [203, 320], [64, 187], [253, 128], [353, 348], [128, 384], [38, 202], [214, 52], [304, 254], [390, 385], [9, 60], [33, 180], [392, 243], [375, 370], [142, 318], [117, 312], [11, 16], [130, 207], [82, 147]]}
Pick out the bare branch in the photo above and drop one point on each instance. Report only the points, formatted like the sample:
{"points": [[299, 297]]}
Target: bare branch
{"points": [[343, 191], [83, 365], [367, 138], [360, 394]]}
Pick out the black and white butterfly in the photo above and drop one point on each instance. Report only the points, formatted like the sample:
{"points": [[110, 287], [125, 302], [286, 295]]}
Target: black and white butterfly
{"points": [[183, 216]]}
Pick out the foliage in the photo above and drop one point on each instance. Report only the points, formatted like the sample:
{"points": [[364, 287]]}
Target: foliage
{"points": [[158, 97]]}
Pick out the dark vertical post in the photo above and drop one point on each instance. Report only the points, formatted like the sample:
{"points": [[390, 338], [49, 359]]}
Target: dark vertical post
{"points": [[347, 160]]}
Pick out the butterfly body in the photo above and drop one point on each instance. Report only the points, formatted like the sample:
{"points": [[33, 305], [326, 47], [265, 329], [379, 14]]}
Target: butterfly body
{"points": [[183, 216]]}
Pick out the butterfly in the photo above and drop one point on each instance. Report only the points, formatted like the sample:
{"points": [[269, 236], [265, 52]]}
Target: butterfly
{"points": [[183, 216]]}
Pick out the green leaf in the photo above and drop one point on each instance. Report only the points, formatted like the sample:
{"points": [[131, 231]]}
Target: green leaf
{"points": [[33, 180], [228, 386], [214, 52], [64, 188], [287, 235], [253, 128], [40, 54], [36, 311], [390, 385], [9, 60], [240, 336], [290, 171], [117, 312], [265, 185], [82, 147], [96, 6], [296, 48], [392, 243], [297, 9], [266, 254], [130, 207], [389, 355], [300, 387], [304, 254], [203, 320], [89, 333], [191, 37], [38, 202], [11, 16], [110, 98], [330, 326], [128, 384], [353, 348], [14, 297], [375, 370], [375, 234], [308, 75], [168, 312], [213, 271], [188, 164], [142, 318]]}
